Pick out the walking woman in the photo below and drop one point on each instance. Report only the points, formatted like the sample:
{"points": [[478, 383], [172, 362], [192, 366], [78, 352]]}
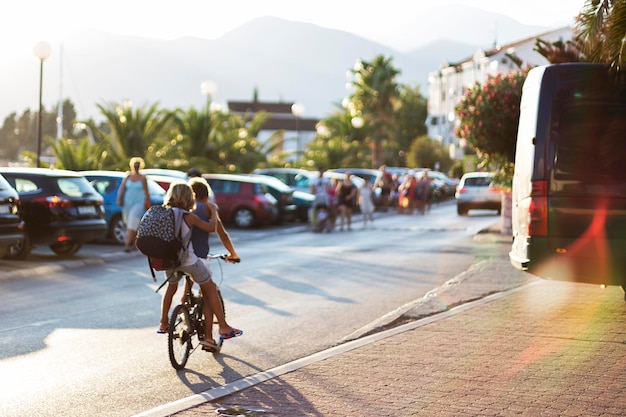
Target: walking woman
{"points": [[346, 193], [134, 198]]}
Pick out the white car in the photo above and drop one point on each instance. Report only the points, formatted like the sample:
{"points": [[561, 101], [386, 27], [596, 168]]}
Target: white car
{"points": [[476, 191]]}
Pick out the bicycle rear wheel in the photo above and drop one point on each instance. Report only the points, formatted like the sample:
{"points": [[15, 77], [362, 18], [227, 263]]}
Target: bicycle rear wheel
{"points": [[179, 335]]}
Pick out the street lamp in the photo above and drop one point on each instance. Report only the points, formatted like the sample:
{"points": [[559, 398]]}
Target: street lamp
{"points": [[297, 109], [208, 89], [42, 51]]}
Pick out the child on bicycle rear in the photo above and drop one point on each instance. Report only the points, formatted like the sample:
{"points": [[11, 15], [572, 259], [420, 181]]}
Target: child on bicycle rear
{"points": [[180, 196]]}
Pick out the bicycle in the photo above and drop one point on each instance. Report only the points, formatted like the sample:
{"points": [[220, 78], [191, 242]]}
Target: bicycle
{"points": [[186, 324]]}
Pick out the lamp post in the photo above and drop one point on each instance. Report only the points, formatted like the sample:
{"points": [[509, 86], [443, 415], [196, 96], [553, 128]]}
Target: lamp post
{"points": [[42, 51], [207, 89], [297, 109]]}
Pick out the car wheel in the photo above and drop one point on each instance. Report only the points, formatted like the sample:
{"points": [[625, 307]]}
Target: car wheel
{"points": [[19, 250], [66, 248], [117, 230], [461, 210], [243, 218]]}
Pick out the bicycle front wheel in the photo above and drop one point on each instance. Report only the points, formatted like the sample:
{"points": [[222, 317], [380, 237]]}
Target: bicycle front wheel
{"points": [[179, 335]]}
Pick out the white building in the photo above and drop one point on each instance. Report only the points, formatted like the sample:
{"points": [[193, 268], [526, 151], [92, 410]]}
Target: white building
{"points": [[447, 86]]}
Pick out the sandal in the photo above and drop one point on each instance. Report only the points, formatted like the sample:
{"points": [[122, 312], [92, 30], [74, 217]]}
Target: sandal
{"points": [[233, 333], [162, 330], [209, 345]]}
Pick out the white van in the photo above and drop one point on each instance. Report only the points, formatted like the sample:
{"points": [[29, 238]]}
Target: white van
{"points": [[569, 186]]}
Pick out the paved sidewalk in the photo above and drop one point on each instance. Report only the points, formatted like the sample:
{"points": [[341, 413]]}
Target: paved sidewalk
{"points": [[548, 348]]}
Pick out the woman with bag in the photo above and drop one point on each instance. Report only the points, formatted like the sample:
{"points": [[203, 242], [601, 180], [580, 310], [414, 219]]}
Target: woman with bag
{"points": [[134, 198]]}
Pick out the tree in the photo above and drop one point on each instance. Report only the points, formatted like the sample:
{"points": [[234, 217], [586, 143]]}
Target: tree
{"points": [[488, 118], [410, 123], [600, 31], [558, 52], [375, 91], [426, 152], [489, 114], [134, 131]]}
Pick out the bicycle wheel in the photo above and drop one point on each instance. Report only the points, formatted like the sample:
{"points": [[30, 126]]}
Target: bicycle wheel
{"points": [[179, 336]]}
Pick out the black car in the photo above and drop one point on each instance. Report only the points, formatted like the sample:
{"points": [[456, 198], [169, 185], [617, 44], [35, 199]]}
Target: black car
{"points": [[12, 234], [60, 209], [284, 194]]}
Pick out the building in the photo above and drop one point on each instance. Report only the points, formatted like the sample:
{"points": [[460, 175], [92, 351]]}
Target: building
{"points": [[285, 125], [447, 86]]}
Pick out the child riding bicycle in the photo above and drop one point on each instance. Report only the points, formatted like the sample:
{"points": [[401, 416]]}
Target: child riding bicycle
{"points": [[180, 197]]}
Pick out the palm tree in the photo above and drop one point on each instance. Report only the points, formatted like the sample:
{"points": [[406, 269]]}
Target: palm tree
{"points": [[601, 33], [375, 92], [134, 130], [79, 154], [195, 127]]}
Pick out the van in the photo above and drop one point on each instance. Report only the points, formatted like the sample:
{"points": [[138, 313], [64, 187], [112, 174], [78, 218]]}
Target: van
{"points": [[569, 184]]}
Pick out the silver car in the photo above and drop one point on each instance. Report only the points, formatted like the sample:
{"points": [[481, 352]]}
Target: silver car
{"points": [[476, 191]]}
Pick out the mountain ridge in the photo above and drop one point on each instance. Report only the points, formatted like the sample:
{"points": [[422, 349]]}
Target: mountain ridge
{"points": [[283, 60]]}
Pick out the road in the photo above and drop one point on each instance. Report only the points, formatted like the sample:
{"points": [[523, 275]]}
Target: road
{"points": [[83, 342]]}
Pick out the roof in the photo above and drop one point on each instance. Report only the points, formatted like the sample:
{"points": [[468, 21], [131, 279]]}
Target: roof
{"points": [[40, 171]]}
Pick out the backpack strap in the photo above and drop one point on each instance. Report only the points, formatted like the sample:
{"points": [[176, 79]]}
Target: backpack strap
{"points": [[179, 215]]}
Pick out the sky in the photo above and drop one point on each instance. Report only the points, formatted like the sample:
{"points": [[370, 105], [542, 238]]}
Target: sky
{"points": [[26, 22]]}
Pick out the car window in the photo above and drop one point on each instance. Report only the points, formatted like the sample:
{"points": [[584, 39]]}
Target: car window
{"points": [[23, 185], [4, 184], [478, 181], [74, 187], [301, 181], [225, 186], [104, 186]]}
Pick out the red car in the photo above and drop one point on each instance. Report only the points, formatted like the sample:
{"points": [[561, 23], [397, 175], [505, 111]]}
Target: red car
{"points": [[243, 200]]}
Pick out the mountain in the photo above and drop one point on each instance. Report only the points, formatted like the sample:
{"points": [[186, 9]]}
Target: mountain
{"points": [[284, 60]]}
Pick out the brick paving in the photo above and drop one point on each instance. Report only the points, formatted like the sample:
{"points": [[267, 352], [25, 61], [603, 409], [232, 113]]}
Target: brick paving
{"points": [[550, 349]]}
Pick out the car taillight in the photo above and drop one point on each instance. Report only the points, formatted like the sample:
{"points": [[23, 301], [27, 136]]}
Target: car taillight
{"points": [[462, 190], [538, 209], [54, 201]]}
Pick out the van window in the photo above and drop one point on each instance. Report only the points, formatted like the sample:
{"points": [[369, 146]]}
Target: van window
{"points": [[590, 144]]}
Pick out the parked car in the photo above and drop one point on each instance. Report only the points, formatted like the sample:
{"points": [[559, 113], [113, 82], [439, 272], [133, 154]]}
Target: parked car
{"points": [[165, 181], [294, 177], [476, 191], [12, 233], [243, 200], [293, 204], [60, 209], [166, 173], [107, 183], [445, 185]]}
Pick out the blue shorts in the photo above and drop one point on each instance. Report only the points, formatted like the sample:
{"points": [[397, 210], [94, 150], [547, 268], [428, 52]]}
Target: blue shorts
{"points": [[200, 272]]}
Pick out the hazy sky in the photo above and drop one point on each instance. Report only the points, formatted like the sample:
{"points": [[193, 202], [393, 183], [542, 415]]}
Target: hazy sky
{"points": [[25, 22]]}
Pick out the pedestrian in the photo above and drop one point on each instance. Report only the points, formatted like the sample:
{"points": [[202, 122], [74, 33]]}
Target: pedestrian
{"points": [[194, 173], [346, 194], [384, 182], [366, 201], [319, 188], [180, 197], [134, 198]]}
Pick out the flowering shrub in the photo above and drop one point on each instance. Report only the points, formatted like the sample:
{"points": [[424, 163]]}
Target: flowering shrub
{"points": [[489, 115]]}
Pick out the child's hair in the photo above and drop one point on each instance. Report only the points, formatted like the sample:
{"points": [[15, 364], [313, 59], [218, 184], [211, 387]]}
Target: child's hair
{"points": [[200, 187], [179, 195]]}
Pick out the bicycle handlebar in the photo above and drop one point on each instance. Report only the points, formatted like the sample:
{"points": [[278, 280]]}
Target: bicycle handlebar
{"points": [[223, 256]]}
